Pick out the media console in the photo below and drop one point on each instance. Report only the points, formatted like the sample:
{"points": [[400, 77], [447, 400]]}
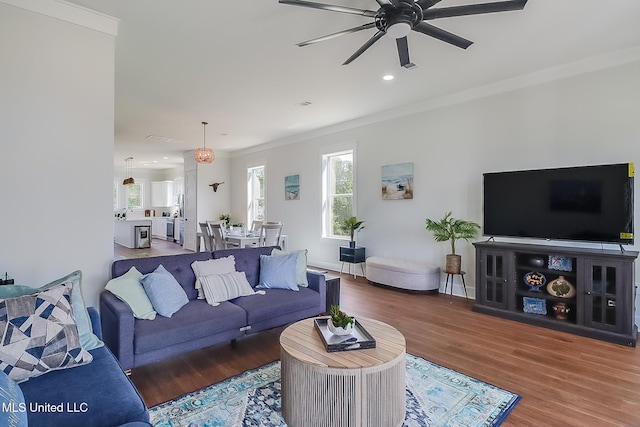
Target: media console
{"points": [[512, 282]]}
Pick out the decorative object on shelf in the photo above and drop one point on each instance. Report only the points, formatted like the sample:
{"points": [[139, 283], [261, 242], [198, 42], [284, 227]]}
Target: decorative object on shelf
{"points": [[204, 154], [562, 263], [536, 261], [339, 323], [561, 310], [292, 187], [534, 305], [561, 288], [352, 225], [535, 280], [215, 185], [452, 229], [397, 181], [129, 180], [226, 218]]}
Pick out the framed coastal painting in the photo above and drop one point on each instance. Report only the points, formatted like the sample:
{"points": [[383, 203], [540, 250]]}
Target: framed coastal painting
{"points": [[292, 187], [397, 181]]}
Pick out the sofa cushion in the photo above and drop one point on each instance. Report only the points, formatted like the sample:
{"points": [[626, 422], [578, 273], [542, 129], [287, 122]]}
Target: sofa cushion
{"points": [[178, 265], [39, 334], [278, 272], [164, 291], [247, 260], [88, 339], [195, 320], [129, 289], [276, 302], [100, 392], [301, 265], [212, 266]]}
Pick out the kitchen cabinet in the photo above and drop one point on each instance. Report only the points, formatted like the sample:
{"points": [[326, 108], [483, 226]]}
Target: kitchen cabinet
{"points": [[162, 193], [159, 227], [513, 281], [124, 231]]}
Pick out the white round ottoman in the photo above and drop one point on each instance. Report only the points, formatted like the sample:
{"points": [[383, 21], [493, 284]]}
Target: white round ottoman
{"points": [[403, 274]]}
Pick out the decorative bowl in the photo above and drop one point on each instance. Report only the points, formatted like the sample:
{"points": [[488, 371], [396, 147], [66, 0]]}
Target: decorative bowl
{"points": [[535, 280], [561, 288], [338, 330], [536, 261]]}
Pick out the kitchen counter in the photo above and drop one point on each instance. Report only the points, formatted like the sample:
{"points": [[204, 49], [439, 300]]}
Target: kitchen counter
{"points": [[124, 231]]}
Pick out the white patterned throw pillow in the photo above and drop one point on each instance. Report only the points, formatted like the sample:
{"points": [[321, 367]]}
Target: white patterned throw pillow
{"points": [[225, 287], [39, 334]]}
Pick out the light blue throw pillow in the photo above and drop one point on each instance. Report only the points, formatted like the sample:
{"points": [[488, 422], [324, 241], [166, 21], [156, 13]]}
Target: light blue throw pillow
{"points": [[164, 291], [278, 272], [12, 402], [301, 265]]}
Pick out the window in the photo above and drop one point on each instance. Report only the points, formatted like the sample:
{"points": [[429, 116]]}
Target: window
{"points": [[134, 196], [337, 191], [255, 194]]}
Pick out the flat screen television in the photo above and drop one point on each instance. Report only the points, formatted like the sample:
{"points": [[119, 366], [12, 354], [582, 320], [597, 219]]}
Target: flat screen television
{"points": [[587, 203]]}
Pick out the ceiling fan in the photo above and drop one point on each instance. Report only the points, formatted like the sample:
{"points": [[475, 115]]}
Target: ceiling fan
{"points": [[398, 17]]}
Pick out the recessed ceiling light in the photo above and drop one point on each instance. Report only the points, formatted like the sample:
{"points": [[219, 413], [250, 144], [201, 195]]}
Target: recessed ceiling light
{"points": [[387, 77], [165, 158]]}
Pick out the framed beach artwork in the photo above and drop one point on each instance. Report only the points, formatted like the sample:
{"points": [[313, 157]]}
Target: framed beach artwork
{"points": [[292, 187], [397, 181]]}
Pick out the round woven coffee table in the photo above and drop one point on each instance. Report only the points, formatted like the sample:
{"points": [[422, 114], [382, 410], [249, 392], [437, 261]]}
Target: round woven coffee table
{"points": [[344, 388]]}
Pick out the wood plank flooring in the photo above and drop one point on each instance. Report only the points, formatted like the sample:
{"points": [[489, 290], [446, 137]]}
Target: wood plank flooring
{"points": [[564, 380]]}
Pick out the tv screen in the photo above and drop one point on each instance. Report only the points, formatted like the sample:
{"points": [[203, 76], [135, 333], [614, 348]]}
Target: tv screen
{"points": [[588, 203]]}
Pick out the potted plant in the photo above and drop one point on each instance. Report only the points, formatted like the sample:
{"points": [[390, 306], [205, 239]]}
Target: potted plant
{"points": [[352, 225], [452, 229], [226, 218], [339, 323]]}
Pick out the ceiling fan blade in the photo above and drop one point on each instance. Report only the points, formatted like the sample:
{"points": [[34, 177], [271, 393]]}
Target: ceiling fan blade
{"points": [[403, 51], [330, 7], [426, 4], [474, 9], [339, 33], [364, 47], [443, 35]]}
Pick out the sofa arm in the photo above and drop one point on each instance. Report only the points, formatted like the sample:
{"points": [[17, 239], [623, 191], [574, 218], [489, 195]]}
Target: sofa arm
{"points": [[95, 322], [117, 328], [317, 283]]}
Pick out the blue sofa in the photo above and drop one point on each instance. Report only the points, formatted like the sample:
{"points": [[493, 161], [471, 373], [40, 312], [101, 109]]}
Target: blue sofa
{"points": [[196, 325], [98, 394]]}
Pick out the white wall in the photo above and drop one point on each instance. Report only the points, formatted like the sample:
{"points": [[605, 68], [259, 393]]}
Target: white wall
{"points": [[587, 119], [212, 204], [56, 148]]}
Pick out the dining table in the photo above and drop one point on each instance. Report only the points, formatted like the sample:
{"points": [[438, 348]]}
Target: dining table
{"points": [[242, 239]]}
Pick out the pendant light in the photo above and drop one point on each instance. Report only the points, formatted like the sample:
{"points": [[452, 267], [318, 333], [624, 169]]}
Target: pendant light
{"points": [[129, 170], [204, 154]]}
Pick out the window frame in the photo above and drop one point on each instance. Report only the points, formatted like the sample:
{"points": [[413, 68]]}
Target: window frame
{"points": [[251, 209], [128, 190], [327, 197]]}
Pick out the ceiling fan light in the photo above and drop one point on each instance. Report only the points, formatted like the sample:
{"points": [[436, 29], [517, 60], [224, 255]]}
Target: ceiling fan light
{"points": [[399, 30], [204, 155]]}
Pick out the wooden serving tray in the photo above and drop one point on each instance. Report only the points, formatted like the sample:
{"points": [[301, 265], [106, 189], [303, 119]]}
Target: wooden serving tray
{"points": [[359, 339]]}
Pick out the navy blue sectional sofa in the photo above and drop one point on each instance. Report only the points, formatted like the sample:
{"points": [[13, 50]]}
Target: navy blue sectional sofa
{"points": [[196, 325]]}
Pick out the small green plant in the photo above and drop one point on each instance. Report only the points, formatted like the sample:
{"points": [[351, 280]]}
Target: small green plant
{"points": [[352, 225], [339, 317], [226, 218]]}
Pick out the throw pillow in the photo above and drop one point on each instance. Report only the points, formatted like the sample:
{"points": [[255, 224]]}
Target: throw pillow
{"points": [[225, 287], [12, 403], [212, 266], [88, 339], [164, 291], [278, 272], [129, 289], [301, 265], [39, 334]]}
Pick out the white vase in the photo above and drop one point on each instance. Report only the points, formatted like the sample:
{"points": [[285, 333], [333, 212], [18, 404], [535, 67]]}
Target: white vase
{"points": [[338, 330]]}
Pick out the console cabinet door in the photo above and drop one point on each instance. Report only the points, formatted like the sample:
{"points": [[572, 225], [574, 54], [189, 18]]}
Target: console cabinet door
{"points": [[493, 287], [606, 295]]}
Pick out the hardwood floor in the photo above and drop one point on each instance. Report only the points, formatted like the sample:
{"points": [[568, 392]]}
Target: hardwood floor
{"points": [[564, 380]]}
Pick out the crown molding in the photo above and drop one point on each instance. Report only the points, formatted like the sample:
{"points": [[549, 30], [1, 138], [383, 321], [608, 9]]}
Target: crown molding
{"points": [[71, 13]]}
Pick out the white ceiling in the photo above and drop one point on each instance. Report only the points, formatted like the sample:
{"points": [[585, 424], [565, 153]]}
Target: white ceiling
{"points": [[235, 64]]}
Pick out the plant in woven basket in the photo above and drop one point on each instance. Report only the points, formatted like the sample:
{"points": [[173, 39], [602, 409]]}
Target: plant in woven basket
{"points": [[339, 317]]}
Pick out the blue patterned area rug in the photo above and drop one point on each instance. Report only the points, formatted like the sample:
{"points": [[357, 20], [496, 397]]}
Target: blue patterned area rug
{"points": [[436, 396]]}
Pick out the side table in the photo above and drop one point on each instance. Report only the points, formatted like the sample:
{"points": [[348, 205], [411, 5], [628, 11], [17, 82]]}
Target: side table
{"points": [[333, 291], [452, 274], [352, 256]]}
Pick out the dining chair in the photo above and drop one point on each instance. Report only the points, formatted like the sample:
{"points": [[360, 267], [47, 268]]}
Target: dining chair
{"points": [[219, 234], [270, 234], [255, 225], [206, 236]]}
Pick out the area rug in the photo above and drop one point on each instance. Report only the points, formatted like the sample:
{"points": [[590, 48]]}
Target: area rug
{"points": [[436, 396]]}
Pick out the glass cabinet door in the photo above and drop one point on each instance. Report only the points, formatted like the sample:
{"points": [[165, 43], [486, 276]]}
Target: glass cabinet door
{"points": [[494, 275], [602, 308]]}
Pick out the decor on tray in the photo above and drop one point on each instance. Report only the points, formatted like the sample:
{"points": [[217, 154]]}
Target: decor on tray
{"points": [[561, 288], [352, 225], [340, 323], [452, 229], [204, 154], [535, 280], [397, 181], [435, 395]]}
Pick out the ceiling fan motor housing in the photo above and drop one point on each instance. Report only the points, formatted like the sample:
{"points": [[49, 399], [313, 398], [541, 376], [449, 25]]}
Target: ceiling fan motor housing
{"points": [[405, 12]]}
